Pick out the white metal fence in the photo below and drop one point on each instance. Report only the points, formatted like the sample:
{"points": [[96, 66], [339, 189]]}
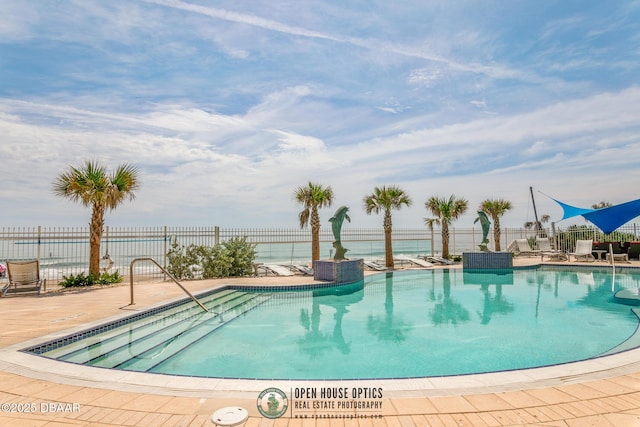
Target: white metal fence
{"points": [[65, 251]]}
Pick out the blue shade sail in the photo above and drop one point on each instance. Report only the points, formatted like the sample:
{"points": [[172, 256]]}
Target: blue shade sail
{"points": [[571, 211], [606, 219]]}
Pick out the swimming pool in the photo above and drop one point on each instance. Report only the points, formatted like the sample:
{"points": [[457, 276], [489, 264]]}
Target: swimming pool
{"points": [[398, 325]]}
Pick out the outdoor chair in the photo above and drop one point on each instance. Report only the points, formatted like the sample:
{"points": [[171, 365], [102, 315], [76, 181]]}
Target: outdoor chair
{"points": [[583, 251], [24, 276], [371, 265], [546, 250], [523, 248], [618, 257]]}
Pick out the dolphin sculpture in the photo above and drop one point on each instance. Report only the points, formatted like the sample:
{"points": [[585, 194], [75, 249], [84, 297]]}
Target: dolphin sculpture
{"points": [[336, 225], [486, 224]]}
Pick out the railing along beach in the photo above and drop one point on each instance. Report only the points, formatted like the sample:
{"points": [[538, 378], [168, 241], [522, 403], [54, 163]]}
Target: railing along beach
{"points": [[64, 251]]}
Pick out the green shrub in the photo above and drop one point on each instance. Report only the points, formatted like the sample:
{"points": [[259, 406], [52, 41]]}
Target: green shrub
{"points": [[230, 259], [81, 280], [242, 254]]}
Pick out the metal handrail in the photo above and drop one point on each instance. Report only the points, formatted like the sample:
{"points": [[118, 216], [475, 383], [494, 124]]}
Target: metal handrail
{"points": [[165, 272]]}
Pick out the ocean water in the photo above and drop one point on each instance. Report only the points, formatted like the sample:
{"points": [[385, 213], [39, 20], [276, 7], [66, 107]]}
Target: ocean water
{"points": [[66, 257], [295, 253]]}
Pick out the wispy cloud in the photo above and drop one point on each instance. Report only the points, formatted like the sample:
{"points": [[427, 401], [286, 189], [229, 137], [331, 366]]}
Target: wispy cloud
{"points": [[227, 109]]}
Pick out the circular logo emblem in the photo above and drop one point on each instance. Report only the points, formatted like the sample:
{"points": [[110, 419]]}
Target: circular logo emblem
{"points": [[273, 403]]}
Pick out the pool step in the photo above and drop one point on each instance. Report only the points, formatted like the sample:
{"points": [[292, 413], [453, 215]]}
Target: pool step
{"points": [[167, 317], [153, 345], [173, 321], [147, 360]]}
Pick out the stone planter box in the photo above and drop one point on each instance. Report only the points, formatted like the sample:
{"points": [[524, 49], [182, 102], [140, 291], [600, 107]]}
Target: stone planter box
{"points": [[347, 271], [487, 260]]}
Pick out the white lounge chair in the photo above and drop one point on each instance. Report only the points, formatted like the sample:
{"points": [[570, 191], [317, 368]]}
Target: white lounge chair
{"points": [[439, 260], [371, 265], [307, 271], [415, 261], [583, 251], [275, 270], [546, 250], [523, 248]]}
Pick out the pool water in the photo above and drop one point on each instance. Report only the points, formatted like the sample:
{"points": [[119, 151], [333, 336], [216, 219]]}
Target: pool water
{"points": [[415, 323]]}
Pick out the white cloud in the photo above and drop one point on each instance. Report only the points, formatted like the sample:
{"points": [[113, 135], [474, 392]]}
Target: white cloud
{"points": [[227, 109]]}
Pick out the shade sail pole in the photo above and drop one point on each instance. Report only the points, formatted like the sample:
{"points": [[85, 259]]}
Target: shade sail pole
{"points": [[535, 212]]}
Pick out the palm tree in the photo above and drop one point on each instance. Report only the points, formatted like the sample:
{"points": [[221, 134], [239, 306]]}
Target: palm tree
{"points": [[601, 205], [495, 208], [93, 187], [445, 211], [312, 197], [537, 225], [384, 199]]}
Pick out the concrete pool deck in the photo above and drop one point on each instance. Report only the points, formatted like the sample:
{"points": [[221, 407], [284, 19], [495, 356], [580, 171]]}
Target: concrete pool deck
{"points": [[38, 392]]}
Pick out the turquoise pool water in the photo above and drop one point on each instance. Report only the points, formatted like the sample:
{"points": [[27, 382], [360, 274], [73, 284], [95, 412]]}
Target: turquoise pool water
{"points": [[416, 323]]}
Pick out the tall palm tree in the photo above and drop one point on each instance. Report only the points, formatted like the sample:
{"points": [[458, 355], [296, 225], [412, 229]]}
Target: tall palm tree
{"points": [[495, 208], [445, 211], [384, 199], [92, 186], [312, 197]]}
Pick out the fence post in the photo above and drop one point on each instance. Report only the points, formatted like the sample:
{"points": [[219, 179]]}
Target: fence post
{"points": [[216, 232], [454, 241], [39, 241], [164, 255], [432, 247]]}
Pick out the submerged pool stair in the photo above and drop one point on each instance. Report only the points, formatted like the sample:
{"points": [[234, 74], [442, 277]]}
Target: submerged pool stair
{"points": [[142, 344]]}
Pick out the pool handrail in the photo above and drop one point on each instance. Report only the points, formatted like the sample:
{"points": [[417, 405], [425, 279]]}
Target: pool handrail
{"points": [[165, 272]]}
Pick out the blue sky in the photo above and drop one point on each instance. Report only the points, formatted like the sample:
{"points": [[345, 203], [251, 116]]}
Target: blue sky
{"points": [[226, 107]]}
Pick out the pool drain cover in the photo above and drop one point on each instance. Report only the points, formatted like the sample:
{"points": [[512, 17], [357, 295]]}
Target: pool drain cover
{"points": [[229, 416]]}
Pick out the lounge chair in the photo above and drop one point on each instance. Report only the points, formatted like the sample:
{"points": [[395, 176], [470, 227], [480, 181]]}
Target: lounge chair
{"points": [[523, 248], [583, 251], [276, 270], [307, 271], [439, 260], [24, 276], [414, 261], [547, 250], [371, 265]]}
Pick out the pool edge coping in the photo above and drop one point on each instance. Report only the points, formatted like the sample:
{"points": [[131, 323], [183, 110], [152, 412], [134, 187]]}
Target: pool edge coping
{"points": [[15, 360]]}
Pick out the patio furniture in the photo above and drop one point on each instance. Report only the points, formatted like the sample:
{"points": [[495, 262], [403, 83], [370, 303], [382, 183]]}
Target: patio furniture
{"points": [[24, 277], [371, 265], [583, 251], [634, 250], [599, 253], [523, 248], [274, 270], [546, 250], [618, 257]]}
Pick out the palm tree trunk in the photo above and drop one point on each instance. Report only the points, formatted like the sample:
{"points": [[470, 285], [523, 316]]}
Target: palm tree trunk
{"points": [[445, 239], [95, 236], [388, 249], [496, 233], [315, 235]]}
